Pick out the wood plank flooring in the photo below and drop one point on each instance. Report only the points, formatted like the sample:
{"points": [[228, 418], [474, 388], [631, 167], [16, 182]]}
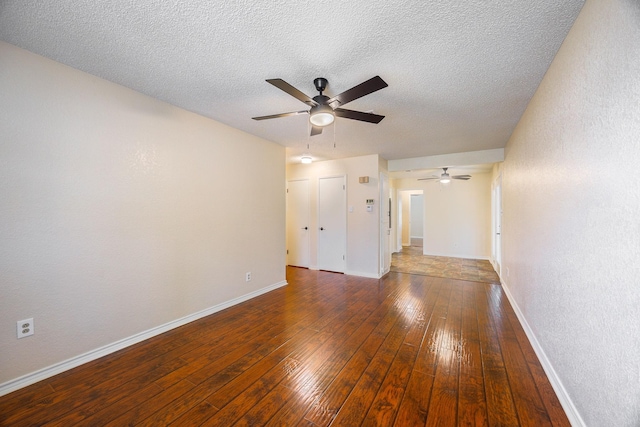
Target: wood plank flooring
{"points": [[328, 349]]}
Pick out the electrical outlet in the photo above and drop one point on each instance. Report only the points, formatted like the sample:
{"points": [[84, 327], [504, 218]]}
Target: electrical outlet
{"points": [[247, 276], [25, 327]]}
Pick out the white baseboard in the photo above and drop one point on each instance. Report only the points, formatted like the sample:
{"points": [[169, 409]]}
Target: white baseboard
{"points": [[351, 273], [567, 404], [76, 361], [463, 256], [362, 274]]}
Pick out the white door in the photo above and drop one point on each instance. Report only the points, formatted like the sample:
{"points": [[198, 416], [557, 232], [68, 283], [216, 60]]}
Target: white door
{"points": [[332, 224], [298, 223]]}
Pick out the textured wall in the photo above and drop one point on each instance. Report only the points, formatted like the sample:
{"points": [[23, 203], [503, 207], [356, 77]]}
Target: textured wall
{"points": [[120, 213], [571, 225]]}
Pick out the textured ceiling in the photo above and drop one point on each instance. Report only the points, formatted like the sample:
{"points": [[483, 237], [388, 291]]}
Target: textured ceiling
{"points": [[460, 72]]}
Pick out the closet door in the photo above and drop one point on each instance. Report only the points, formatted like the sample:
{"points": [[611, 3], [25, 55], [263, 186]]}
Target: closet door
{"points": [[298, 230], [332, 223]]}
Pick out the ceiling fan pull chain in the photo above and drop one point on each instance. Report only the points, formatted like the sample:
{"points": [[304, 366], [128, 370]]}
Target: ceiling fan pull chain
{"points": [[334, 134]]}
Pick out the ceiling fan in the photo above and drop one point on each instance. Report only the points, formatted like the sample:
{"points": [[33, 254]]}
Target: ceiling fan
{"points": [[445, 177], [324, 109]]}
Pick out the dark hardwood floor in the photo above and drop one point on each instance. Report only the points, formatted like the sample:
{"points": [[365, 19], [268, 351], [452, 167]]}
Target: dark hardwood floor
{"points": [[328, 349]]}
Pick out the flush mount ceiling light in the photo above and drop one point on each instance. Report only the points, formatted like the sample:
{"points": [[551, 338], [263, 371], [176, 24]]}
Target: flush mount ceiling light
{"points": [[321, 115], [306, 160]]}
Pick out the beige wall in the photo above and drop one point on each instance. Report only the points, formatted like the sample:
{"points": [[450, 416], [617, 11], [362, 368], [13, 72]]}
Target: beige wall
{"points": [[120, 214], [571, 228], [363, 229]]}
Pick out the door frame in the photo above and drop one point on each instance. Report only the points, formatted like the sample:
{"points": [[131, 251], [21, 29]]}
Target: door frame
{"points": [[385, 224], [496, 224]]}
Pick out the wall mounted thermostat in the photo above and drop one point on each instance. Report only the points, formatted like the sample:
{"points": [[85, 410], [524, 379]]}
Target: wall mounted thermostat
{"points": [[369, 205]]}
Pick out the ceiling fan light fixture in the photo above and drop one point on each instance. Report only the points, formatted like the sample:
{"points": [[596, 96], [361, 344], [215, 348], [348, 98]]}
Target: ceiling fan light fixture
{"points": [[445, 178], [306, 160], [321, 115]]}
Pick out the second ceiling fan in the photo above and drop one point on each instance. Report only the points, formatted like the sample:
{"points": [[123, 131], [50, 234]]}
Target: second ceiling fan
{"points": [[445, 177], [324, 109]]}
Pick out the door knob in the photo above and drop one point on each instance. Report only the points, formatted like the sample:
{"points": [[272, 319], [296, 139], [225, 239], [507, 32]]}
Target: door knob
{"points": [[305, 228], [321, 228]]}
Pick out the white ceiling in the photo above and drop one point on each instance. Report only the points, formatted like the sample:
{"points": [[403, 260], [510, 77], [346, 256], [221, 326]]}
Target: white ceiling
{"points": [[460, 72]]}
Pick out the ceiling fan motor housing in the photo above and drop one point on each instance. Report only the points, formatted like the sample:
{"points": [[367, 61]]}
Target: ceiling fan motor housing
{"points": [[320, 84], [321, 99]]}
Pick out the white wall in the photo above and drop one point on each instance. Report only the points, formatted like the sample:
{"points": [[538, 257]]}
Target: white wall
{"points": [[571, 225], [417, 215], [120, 214], [405, 198], [363, 228], [457, 216]]}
